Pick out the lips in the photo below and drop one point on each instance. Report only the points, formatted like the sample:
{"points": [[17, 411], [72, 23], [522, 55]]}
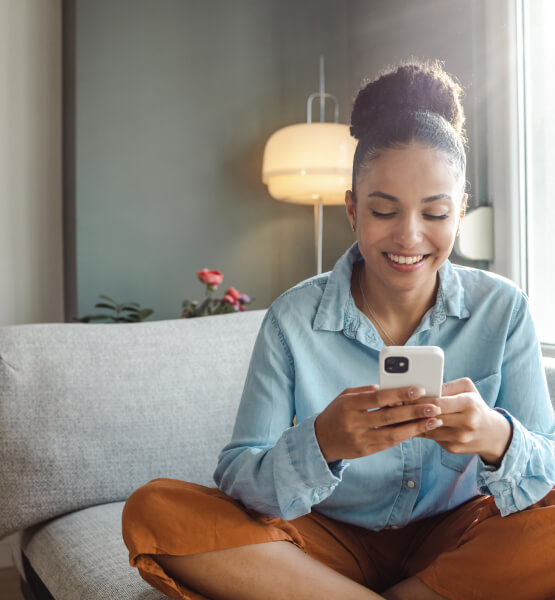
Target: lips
{"points": [[402, 259]]}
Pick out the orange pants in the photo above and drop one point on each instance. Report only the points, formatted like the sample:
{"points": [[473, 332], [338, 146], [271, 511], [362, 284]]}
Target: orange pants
{"points": [[468, 553]]}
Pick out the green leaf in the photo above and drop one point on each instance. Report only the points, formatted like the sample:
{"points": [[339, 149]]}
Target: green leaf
{"points": [[145, 313], [97, 318], [204, 306], [109, 299], [129, 308], [104, 305]]}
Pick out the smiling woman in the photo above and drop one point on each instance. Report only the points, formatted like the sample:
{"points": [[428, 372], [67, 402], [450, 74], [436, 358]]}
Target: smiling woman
{"points": [[377, 493], [409, 211]]}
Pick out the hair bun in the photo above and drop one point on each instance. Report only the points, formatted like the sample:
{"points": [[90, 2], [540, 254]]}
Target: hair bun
{"points": [[413, 86]]}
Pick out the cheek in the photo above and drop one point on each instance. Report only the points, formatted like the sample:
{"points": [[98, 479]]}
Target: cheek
{"points": [[374, 230], [445, 238]]}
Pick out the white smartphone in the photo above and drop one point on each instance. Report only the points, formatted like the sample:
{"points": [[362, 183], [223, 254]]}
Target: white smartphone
{"points": [[403, 366]]}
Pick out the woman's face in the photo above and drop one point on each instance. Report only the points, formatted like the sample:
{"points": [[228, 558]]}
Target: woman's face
{"points": [[410, 202]]}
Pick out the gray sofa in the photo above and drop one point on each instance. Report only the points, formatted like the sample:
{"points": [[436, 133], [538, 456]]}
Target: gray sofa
{"points": [[88, 413]]}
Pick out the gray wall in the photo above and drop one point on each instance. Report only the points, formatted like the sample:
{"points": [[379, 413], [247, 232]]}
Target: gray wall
{"points": [[452, 31], [175, 100]]}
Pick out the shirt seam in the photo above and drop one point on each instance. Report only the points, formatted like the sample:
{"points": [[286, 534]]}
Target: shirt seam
{"points": [[282, 340], [515, 311], [320, 282]]}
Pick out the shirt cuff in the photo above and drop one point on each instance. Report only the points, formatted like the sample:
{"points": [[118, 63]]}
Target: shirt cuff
{"points": [[307, 458], [499, 481]]}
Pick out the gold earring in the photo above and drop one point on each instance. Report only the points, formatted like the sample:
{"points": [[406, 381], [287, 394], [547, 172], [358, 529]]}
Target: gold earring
{"points": [[353, 228]]}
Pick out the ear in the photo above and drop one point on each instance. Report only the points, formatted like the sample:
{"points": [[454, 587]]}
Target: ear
{"points": [[464, 206], [351, 208], [462, 212]]}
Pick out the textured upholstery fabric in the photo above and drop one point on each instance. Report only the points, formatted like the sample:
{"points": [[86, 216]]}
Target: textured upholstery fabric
{"points": [[82, 557], [89, 412]]}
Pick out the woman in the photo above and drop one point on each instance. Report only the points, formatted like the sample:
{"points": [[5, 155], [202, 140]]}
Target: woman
{"points": [[377, 493]]}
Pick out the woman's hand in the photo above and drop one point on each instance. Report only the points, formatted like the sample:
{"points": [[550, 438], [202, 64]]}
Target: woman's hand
{"points": [[365, 420], [470, 426]]}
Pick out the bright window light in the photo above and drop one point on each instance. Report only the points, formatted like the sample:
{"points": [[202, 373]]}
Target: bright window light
{"points": [[539, 140]]}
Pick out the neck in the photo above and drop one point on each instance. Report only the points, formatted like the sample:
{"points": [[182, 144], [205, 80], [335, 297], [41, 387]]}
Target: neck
{"points": [[397, 311]]}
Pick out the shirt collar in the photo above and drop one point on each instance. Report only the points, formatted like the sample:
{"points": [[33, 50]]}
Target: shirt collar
{"points": [[337, 311]]}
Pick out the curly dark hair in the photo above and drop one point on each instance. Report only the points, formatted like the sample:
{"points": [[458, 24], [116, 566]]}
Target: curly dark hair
{"points": [[417, 100]]}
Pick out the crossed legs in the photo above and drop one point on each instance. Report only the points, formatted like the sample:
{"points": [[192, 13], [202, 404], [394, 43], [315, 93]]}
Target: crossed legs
{"points": [[276, 571]]}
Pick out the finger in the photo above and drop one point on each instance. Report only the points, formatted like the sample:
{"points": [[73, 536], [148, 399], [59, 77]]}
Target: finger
{"points": [[395, 415], [361, 398], [455, 404], [371, 397], [360, 390], [393, 435], [458, 386], [398, 396], [449, 435]]}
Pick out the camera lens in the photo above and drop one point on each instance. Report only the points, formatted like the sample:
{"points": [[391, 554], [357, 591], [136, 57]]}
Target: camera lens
{"points": [[396, 364]]}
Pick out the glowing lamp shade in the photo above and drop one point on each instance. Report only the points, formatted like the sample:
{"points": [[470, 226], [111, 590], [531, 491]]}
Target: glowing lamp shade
{"points": [[309, 162]]}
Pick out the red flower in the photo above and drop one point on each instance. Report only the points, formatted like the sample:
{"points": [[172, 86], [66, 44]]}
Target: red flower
{"points": [[233, 293], [210, 277], [227, 299]]}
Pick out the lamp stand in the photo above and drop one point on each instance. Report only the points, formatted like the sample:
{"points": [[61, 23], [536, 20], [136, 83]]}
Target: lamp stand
{"points": [[318, 204], [318, 223]]}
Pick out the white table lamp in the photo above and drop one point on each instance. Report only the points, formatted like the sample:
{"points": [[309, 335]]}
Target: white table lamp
{"points": [[311, 163]]}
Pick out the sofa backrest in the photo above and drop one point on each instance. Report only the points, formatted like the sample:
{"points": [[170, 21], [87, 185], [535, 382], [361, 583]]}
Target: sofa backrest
{"points": [[88, 413]]}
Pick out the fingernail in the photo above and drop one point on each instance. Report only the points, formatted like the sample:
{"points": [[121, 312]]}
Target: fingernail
{"points": [[434, 424], [416, 392], [432, 410]]}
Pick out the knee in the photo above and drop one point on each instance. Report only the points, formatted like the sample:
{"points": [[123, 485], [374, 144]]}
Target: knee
{"points": [[140, 508]]}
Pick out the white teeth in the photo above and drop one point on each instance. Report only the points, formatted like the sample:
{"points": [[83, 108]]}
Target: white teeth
{"points": [[405, 260]]}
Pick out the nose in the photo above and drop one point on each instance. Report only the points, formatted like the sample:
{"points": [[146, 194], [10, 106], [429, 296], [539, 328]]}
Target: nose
{"points": [[408, 232]]}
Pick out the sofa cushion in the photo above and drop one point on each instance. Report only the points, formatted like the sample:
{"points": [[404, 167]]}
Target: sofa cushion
{"points": [[82, 556], [88, 413]]}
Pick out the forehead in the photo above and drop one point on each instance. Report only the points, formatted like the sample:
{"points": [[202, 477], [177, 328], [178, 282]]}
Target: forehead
{"points": [[412, 167]]}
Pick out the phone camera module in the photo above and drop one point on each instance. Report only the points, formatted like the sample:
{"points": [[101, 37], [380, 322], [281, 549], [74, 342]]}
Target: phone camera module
{"points": [[396, 364]]}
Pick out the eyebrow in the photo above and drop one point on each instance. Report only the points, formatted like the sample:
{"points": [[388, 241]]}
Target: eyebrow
{"points": [[394, 199]]}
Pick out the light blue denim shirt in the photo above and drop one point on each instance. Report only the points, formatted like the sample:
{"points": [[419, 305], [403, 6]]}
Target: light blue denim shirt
{"points": [[314, 343]]}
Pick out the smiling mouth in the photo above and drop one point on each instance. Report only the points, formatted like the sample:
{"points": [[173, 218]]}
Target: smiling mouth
{"points": [[406, 260]]}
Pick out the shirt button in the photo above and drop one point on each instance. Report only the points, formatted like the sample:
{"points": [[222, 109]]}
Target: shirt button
{"points": [[411, 483]]}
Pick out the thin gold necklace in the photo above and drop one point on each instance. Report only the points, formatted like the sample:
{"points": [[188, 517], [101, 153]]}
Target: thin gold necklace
{"points": [[373, 314]]}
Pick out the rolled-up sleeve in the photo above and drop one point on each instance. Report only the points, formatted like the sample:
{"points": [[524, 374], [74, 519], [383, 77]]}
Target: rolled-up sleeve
{"points": [[269, 465], [527, 471]]}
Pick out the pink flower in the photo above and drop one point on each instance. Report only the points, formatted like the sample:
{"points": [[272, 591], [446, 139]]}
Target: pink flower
{"points": [[211, 278], [233, 293], [228, 298]]}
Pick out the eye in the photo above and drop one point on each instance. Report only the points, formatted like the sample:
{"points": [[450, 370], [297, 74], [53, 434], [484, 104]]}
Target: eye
{"points": [[436, 217], [381, 215]]}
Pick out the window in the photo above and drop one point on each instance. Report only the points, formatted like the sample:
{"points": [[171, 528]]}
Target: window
{"points": [[537, 19], [520, 107]]}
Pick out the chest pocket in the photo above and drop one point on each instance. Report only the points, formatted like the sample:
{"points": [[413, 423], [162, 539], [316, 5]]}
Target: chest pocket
{"points": [[488, 387]]}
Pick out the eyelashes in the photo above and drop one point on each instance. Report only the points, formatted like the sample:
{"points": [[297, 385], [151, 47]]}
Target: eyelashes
{"points": [[390, 215]]}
